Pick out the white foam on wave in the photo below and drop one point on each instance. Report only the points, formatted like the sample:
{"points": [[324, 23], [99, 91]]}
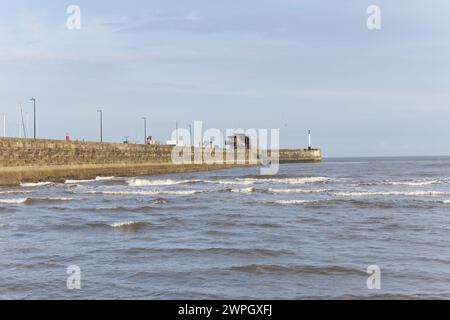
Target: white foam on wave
{"points": [[13, 201], [78, 181], [290, 202], [304, 180], [35, 184], [231, 182], [147, 182], [146, 192], [105, 178], [57, 199], [14, 192], [25, 200], [89, 180], [446, 202], [237, 181], [243, 190], [391, 193], [413, 182], [299, 180], [296, 190], [122, 224]]}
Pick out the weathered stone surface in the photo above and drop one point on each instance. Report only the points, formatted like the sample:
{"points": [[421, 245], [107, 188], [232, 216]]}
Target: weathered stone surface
{"points": [[28, 152], [300, 155]]}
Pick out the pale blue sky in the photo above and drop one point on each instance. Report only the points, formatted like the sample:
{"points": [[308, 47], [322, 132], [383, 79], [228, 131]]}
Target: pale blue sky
{"points": [[288, 64]]}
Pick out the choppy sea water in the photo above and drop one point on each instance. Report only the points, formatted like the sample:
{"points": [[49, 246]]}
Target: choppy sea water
{"points": [[309, 232]]}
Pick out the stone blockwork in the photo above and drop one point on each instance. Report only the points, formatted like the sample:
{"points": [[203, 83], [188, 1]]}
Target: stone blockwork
{"points": [[45, 160], [28, 152], [300, 155]]}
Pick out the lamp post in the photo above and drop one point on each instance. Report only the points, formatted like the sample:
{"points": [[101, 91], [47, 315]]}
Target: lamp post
{"points": [[309, 139], [34, 116], [190, 135], [145, 129], [176, 131], [101, 124]]}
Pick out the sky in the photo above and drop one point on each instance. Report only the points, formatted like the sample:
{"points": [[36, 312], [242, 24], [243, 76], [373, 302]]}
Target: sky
{"points": [[291, 65]]}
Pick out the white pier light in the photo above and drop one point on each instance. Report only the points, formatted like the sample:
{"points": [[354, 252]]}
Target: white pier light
{"points": [[309, 139]]}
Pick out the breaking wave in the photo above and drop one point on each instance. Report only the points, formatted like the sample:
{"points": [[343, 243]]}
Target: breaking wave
{"points": [[147, 192], [54, 199], [289, 202], [14, 201], [299, 180], [89, 180], [390, 193], [138, 182], [126, 224], [147, 182], [271, 190], [230, 182], [14, 192], [33, 200], [413, 182], [243, 190], [121, 225], [35, 184]]}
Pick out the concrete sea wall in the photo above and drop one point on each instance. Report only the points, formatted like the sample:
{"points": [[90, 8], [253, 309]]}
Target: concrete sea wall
{"points": [[300, 155], [54, 160], [29, 152]]}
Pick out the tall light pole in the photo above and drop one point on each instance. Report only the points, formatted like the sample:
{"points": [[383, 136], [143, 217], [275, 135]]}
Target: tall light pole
{"points": [[309, 139], [190, 135], [101, 124], [145, 129], [34, 116], [176, 131]]}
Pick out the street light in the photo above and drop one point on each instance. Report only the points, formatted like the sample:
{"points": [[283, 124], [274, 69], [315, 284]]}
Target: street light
{"points": [[34, 116], [309, 139], [145, 129], [101, 124], [176, 131], [190, 135]]}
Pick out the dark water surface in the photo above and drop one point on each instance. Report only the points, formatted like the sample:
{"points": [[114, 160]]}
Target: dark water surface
{"points": [[309, 232]]}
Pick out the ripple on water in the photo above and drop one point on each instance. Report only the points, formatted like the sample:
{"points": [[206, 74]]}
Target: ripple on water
{"points": [[242, 252], [124, 225], [260, 269]]}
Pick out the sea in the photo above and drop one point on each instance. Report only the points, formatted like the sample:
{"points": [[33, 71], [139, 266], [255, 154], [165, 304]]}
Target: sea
{"points": [[353, 228]]}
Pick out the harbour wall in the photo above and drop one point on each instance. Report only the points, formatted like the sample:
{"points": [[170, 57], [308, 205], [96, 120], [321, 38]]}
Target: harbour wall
{"points": [[28, 160]]}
